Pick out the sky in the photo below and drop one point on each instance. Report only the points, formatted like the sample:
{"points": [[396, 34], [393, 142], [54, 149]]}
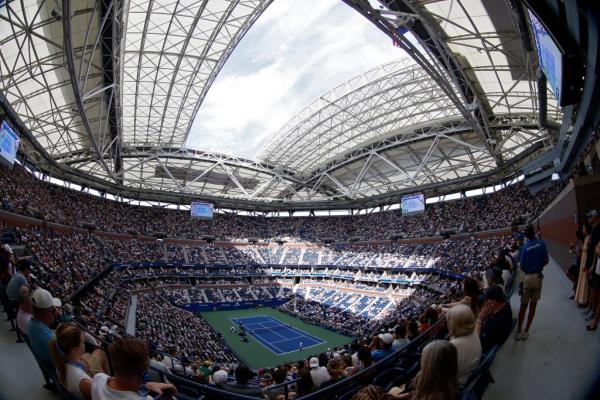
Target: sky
{"points": [[295, 52]]}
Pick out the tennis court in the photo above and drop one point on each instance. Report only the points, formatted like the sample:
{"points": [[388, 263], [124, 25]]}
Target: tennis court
{"points": [[276, 336], [256, 353]]}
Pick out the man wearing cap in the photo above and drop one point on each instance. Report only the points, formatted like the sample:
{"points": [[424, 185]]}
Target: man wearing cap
{"points": [[384, 348], [317, 373], [7, 261], [533, 259], [495, 318], [39, 332], [20, 278]]}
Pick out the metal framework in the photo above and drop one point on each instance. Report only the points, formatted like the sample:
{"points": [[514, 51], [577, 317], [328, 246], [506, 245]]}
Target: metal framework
{"points": [[109, 89]]}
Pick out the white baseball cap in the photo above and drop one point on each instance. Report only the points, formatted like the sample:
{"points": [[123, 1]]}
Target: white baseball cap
{"points": [[386, 338], [7, 248], [42, 298], [313, 362], [220, 377]]}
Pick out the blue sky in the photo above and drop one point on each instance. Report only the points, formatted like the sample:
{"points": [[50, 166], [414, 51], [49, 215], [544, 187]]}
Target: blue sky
{"points": [[296, 51]]}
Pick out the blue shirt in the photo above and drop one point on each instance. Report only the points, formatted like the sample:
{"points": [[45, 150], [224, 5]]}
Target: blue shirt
{"points": [[39, 338], [15, 283], [381, 354], [533, 256]]}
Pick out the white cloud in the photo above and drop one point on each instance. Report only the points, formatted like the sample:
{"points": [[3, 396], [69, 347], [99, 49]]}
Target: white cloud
{"points": [[295, 52]]}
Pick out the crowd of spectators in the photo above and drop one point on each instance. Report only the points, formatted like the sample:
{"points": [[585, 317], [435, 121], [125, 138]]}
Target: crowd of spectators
{"points": [[26, 194]]}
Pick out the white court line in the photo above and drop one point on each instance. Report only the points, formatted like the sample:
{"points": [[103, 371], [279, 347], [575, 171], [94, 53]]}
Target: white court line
{"points": [[262, 341], [259, 339]]}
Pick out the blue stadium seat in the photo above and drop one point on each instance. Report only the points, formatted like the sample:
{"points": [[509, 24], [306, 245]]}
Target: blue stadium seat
{"points": [[481, 377]]}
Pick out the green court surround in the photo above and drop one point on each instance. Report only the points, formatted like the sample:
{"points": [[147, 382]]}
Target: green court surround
{"points": [[254, 354]]}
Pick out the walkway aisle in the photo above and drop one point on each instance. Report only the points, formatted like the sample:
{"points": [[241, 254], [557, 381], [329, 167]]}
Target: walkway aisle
{"points": [[559, 360], [20, 377]]}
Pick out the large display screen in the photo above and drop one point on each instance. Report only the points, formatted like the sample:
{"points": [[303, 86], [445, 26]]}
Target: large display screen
{"points": [[9, 144], [549, 55], [413, 203], [201, 210]]}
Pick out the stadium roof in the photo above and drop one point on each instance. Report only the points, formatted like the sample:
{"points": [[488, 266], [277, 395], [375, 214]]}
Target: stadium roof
{"points": [[108, 95]]}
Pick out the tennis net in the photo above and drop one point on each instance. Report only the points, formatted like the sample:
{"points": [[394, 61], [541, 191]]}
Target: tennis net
{"points": [[269, 329]]}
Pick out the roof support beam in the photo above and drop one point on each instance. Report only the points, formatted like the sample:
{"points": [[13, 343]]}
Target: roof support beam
{"points": [[76, 84]]}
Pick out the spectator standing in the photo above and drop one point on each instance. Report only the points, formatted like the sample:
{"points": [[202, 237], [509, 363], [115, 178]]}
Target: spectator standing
{"points": [[595, 282], [534, 257], [582, 293], [592, 267]]}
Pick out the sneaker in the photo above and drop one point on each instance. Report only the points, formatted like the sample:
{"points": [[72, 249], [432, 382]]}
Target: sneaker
{"points": [[518, 336], [524, 335]]}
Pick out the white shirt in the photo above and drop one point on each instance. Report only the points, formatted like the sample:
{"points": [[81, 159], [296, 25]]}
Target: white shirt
{"points": [[23, 319], [319, 375], [469, 354], [101, 391], [74, 377]]}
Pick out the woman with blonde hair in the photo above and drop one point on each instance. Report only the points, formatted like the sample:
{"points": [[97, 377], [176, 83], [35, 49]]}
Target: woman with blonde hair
{"points": [[461, 326], [74, 366], [437, 379]]}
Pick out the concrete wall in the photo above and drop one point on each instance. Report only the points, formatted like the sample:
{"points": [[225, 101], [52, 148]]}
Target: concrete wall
{"points": [[563, 216]]}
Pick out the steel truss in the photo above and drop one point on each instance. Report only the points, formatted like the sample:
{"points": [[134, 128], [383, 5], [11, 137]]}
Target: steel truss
{"points": [[109, 89]]}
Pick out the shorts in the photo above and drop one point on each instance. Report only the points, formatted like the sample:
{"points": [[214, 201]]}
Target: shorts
{"points": [[532, 288]]}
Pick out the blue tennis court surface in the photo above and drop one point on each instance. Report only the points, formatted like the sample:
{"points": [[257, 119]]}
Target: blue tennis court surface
{"points": [[277, 336]]}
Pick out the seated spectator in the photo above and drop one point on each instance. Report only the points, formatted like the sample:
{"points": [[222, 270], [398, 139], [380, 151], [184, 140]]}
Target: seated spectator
{"points": [[318, 373], [20, 278], [400, 339], [25, 312], [495, 319], [75, 367], [372, 392], [171, 362], [241, 385], [461, 326], [472, 291], [129, 359], [305, 385], [219, 379], [39, 332], [272, 392], [413, 330], [335, 369], [157, 365], [437, 379], [384, 346]]}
